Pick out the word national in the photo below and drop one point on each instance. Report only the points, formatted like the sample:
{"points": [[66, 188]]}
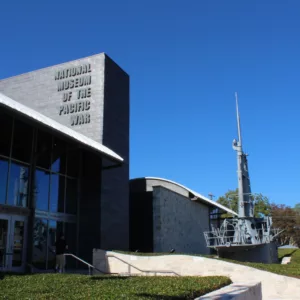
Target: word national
{"points": [[74, 71]]}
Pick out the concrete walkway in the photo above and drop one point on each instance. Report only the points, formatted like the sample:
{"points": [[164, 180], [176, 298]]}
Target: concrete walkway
{"points": [[273, 286]]}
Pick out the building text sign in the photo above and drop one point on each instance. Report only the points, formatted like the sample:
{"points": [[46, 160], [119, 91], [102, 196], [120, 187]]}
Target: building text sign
{"points": [[74, 86]]}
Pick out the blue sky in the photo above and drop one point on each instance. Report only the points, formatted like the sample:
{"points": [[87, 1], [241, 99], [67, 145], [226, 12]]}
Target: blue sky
{"points": [[185, 59]]}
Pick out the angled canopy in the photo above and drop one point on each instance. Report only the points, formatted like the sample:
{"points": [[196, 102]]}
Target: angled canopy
{"points": [[35, 116]]}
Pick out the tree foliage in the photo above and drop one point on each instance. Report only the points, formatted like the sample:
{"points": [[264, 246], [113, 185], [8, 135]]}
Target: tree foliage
{"points": [[285, 217], [262, 206], [297, 208]]}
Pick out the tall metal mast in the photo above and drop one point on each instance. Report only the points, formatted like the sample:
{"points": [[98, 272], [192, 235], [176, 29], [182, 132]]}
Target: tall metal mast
{"points": [[238, 119], [245, 203], [239, 150]]}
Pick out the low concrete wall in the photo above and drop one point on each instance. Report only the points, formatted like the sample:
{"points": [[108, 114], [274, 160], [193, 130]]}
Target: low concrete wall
{"points": [[112, 262], [236, 291], [273, 286]]}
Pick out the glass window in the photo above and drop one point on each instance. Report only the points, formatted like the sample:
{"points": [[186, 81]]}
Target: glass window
{"points": [[59, 156], [22, 141], [73, 163], [71, 240], [41, 190], [18, 185], [18, 244], [57, 193], [3, 179], [3, 241], [51, 244], [55, 230], [40, 243], [60, 229], [43, 150], [6, 133], [71, 196]]}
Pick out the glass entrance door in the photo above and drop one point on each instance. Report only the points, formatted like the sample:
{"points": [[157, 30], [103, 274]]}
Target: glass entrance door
{"points": [[4, 237], [13, 243]]}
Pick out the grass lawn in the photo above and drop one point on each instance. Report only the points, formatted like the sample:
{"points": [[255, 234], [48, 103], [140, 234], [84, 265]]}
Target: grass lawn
{"points": [[292, 269], [285, 252], [71, 286]]}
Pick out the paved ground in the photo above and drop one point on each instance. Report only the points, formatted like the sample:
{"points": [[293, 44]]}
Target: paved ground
{"points": [[273, 286]]}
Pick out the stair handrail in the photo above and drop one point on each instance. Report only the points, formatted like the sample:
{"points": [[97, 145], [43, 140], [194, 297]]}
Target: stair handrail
{"points": [[88, 264], [143, 271]]}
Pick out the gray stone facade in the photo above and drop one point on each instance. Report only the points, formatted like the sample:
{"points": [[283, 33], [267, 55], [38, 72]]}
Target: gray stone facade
{"points": [[164, 216], [99, 111], [178, 223], [39, 91]]}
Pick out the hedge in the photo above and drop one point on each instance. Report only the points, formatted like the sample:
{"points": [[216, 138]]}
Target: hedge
{"points": [[72, 286]]}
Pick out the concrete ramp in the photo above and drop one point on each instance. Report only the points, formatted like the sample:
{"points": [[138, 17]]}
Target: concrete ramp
{"points": [[273, 286]]}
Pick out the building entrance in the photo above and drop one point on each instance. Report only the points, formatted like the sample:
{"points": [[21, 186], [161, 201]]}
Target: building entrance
{"points": [[12, 243]]}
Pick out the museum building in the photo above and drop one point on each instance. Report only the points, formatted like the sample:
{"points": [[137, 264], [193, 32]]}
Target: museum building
{"points": [[64, 162], [167, 216]]}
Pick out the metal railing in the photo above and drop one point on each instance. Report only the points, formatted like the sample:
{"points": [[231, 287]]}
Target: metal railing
{"points": [[233, 237], [143, 271], [87, 264], [91, 267], [218, 237]]}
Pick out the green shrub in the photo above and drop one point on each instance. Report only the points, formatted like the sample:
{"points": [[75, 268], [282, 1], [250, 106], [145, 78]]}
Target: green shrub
{"points": [[71, 286]]}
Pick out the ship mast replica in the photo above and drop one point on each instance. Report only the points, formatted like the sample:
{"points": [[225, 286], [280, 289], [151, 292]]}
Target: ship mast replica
{"points": [[244, 237]]}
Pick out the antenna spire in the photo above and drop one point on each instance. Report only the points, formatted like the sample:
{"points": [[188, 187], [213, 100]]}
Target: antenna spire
{"points": [[238, 119]]}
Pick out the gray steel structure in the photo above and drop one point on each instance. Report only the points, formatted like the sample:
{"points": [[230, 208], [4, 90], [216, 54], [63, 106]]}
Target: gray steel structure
{"points": [[244, 237]]}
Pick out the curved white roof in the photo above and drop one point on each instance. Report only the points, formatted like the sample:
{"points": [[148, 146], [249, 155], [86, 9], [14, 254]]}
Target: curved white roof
{"points": [[64, 130], [199, 196]]}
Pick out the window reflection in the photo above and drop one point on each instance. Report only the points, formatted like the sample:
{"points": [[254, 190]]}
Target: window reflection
{"points": [[5, 141], [3, 241], [3, 179], [55, 229], [18, 244], [73, 163], [71, 196], [55, 160], [57, 193], [22, 141], [45, 234], [59, 156], [18, 185], [51, 244], [71, 239], [42, 181], [40, 243], [43, 149]]}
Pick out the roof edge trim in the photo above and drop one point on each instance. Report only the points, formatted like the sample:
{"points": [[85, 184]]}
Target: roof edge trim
{"points": [[201, 197], [54, 125]]}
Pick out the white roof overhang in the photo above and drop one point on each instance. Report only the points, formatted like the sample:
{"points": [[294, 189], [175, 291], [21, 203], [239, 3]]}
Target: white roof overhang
{"points": [[63, 130], [197, 196]]}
